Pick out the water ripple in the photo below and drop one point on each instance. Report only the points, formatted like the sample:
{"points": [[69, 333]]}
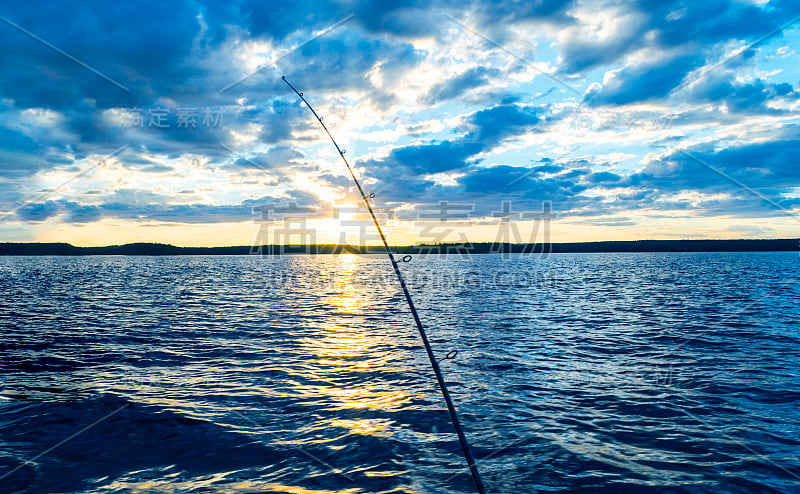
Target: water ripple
{"points": [[653, 373]]}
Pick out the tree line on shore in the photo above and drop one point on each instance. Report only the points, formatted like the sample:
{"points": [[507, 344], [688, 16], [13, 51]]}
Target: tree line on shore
{"points": [[156, 249]]}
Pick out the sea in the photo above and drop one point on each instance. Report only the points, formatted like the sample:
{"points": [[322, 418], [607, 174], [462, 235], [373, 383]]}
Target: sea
{"points": [[571, 373]]}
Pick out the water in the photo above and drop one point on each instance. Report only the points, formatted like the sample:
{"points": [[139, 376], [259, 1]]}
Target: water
{"points": [[577, 373]]}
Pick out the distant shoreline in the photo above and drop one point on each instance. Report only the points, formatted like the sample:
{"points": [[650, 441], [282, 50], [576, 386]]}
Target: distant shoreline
{"points": [[154, 249]]}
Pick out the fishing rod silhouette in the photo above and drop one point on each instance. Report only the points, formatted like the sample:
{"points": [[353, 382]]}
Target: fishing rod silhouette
{"points": [[462, 439]]}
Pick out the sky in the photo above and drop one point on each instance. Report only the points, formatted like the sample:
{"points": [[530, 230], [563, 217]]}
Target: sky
{"points": [[533, 120]]}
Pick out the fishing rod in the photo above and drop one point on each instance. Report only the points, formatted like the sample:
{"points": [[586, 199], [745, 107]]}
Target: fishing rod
{"points": [[462, 438]]}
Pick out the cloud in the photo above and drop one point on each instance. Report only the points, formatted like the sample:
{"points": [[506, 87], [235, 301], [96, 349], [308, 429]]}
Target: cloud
{"points": [[381, 74], [753, 96], [74, 212], [472, 78], [18, 154], [769, 166], [278, 119], [275, 159], [677, 22], [601, 35], [659, 43], [649, 79], [606, 179], [483, 130], [500, 12], [436, 157], [495, 124]]}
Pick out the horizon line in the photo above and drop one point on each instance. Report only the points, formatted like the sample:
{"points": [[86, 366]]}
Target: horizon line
{"points": [[645, 245]]}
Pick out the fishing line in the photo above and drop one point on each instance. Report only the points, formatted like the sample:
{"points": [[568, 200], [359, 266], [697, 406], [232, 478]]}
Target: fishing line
{"points": [[462, 439]]}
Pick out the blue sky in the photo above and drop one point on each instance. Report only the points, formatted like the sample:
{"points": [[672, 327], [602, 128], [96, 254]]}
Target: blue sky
{"points": [[631, 119]]}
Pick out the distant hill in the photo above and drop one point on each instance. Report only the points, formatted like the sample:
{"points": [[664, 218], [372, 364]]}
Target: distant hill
{"points": [[152, 249]]}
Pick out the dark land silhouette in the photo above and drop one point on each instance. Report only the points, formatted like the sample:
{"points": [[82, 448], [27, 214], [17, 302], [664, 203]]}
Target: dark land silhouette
{"points": [[155, 249]]}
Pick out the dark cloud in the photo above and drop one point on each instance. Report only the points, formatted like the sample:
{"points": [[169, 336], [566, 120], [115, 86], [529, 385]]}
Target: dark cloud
{"points": [[742, 97], [501, 12], [680, 22], [74, 212], [419, 18], [493, 125], [458, 85], [436, 157], [767, 167], [277, 19], [606, 179], [649, 80], [278, 120], [400, 18], [770, 166], [277, 159], [682, 36], [483, 130], [548, 168], [19, 154], [38, 212], [581, 53], [349, 56], [140, 45]]}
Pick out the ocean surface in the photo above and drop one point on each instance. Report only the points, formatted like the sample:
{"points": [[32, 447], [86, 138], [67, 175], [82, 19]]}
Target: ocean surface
{"points": [[606, 373]]}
